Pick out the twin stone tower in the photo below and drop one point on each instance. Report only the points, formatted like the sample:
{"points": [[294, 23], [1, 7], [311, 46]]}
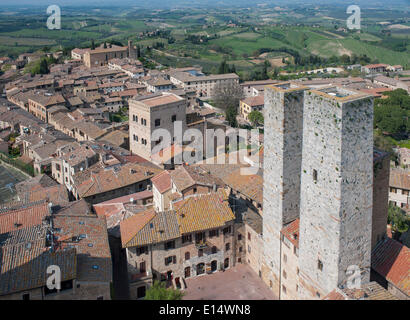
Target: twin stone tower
{"points": [[318, 168]]}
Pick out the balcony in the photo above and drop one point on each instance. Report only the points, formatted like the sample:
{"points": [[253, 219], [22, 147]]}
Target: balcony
{"points": [[201, 244]]}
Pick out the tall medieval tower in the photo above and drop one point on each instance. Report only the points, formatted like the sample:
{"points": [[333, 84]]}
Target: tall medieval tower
{"points": [[336, 190], [282, 168]]}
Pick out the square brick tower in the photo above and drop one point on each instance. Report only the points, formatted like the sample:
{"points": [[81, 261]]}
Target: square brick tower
{"points": [[336, 190], [282, 168]]}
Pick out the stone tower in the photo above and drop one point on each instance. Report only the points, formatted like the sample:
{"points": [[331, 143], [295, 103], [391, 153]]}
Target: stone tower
{"points": [[132, 51], [336, 190], [282, 167]]}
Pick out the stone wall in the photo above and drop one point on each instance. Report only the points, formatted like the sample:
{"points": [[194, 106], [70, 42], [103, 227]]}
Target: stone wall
{"points": [[380, 199], [289, 271], [282, 163], [336, 192], [155, 259]]}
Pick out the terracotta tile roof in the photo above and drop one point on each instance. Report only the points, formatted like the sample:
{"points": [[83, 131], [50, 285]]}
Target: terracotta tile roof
{"points": [[204, 212], [372, 291], [46, 101], [116, 137], [378, 65], [190, 215], [187, 176], [25, 269], [115, 213], [109, 179], [56, 195], [254, 101], [92, 248], [391, 260], [291, 232], [75, 208], [399, 179], [249, 185], [375, 291], [111, 84], [162, 181], [125, 93], [161, 100], [336, 294], [23, 218], [149, 227]]}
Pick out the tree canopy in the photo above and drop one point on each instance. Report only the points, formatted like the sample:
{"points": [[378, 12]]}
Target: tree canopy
{"points": [[158, 291], [256, 118], [227, 97], [398, 219], [391, 115]]}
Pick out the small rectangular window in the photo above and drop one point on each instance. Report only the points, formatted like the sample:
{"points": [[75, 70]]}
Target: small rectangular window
{"points": [[314, 175], [319, 265]]}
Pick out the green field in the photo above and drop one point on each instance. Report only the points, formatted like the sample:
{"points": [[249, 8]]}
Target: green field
{"points": [[233, 34]]}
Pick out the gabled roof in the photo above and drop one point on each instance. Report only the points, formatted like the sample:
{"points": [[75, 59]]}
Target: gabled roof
{"points": [[112, 178], [149, 227], [204, 212], [391, 260], [23, 268], [291, 232], [187, 176], [254, 101], [162, 181], [249, 185], [24, 217], [399, 179], [92, 247]]}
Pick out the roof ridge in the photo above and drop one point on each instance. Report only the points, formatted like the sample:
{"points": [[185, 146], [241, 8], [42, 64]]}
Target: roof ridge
{"points": [[143, 225]]}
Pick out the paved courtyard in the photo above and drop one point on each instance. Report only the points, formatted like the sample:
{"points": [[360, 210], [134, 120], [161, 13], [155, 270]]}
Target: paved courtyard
{"points": [[237, 283], [8, 178]]}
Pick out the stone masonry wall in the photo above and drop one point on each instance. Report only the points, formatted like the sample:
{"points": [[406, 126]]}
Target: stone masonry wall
{"points": [[336, 207], [282, 163], [380, 199]]}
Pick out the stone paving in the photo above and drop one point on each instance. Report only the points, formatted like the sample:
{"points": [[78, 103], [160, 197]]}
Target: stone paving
{"points": [[237, 283]]}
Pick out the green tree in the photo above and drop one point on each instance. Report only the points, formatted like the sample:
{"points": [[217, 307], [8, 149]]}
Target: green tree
{"points": [[158, 291], [266, 65], [227, 97], [230, 116], [92, 45], [256, 118], [223, 67], [398, 219], [44, 66]]}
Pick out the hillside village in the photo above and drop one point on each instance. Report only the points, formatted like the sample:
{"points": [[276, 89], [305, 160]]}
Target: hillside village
{"points": [[116, 213]]}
